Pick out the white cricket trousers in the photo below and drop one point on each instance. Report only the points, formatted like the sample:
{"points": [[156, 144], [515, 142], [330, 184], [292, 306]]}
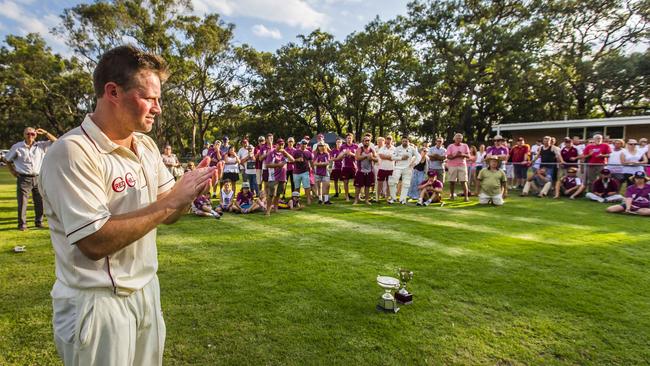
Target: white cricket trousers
{"points": [[97, 327], [405, 174]]}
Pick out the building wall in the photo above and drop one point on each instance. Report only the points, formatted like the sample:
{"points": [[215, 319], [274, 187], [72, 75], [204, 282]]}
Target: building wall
{"points": [[637, 131]]}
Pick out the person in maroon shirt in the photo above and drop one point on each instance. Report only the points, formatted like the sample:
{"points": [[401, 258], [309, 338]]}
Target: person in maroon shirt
{"points": [[637, 197], [349, 168], [605, 188], [336, 157], [569, 155], [520, 155], [595, 155]]}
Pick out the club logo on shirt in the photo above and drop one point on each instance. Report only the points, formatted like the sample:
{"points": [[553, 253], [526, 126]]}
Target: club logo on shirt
{"points": [[130, 181], [118, 184]]}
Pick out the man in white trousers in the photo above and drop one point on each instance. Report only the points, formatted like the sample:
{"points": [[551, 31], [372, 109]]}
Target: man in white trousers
{"points": [[405, 157], [105, 190]]}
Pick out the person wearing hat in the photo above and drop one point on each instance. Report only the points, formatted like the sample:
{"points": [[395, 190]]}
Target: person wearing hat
{"points": [[259, 150], [570, 185], [276, 163], [637, 197], [302, 163], [492, 184], [540, 183], [633, 159], [245, 203], [605, 188], [498, 150], [430, 190]]}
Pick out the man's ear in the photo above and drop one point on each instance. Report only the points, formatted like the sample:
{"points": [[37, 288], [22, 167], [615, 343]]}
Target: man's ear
{"points": [[111, 91]]}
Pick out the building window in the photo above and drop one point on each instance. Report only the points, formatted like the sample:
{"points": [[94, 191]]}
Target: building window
{"points": [[576, 132], [617, 132]]}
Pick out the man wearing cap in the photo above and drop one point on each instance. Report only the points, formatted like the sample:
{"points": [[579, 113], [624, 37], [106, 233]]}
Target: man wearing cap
{"points": [[437, 155], [457, 155], [605, 188], [24, 160], [105, 190], [498, 150], [349, 166], [405, 157], [430, 190], [302, 162], [570, 185], [365, 177], [276, 163], [520, 157], [637, 197], [492, 183]]}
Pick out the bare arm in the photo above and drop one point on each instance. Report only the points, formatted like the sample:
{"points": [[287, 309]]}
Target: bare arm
{"points": [[122, 230]]}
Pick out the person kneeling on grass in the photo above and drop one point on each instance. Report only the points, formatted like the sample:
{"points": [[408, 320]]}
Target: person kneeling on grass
{"points": [[637, 197], [539, 182], [202, 206], [245, 202], [227, 195], [570, 185], [605, 188], [492, 183], [430, 190]]}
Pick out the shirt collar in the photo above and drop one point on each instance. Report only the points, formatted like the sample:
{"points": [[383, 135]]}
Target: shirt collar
{"points": [[99, 139]]}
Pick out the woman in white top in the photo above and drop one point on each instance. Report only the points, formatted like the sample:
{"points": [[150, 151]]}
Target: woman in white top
{"points": [[231, 167], [632, 159], [478, 164], [614, 161]]}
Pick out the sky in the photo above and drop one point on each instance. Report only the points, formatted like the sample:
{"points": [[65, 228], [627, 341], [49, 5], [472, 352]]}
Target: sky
{"points": [[263, 24]]}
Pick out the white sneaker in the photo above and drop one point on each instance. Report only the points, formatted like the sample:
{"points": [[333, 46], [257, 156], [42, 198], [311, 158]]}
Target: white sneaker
{"points": [[402, 202], [390, 201]]}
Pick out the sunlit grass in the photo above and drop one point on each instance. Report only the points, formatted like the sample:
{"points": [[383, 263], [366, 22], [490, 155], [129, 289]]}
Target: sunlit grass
{"points": [[533, 282]]}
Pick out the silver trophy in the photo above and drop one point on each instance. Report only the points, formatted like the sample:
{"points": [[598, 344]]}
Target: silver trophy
{"points": [[387, 301]]}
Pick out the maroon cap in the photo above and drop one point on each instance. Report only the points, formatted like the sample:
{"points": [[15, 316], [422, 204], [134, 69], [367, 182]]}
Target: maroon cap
{"points": [[605, 171], [279, 141], [432, 173]]}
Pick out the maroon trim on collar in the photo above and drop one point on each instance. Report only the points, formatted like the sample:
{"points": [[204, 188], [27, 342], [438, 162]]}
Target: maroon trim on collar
{"points": [[89, 138]]}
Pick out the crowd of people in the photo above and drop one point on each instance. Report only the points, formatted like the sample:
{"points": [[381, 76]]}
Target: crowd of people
{"points": [[403, 171]]}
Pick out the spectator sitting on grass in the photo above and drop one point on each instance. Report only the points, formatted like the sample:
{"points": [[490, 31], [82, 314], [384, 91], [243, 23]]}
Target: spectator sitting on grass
{"points": [[605, 188], [492, 183], [430, 189], [637, 197], [227, 195], [540, 183], [245, 202], [570, 185], [292, 204], [202, 206]]}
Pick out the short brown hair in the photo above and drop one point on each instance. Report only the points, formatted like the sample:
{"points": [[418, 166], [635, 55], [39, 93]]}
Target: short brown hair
{"points": [[121, 65]]}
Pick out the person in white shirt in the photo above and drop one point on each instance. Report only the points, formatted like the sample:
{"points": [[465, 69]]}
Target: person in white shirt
{"points": [[405, 157], [206, 149], [643, 145], [386, 166], [24, 160], [105, 190], [241, 154], [437, 156], [614, 161], [633, 159]]}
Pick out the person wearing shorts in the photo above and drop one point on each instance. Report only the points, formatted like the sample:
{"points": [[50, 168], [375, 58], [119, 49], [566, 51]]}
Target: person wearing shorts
{"points": [[276, 164], [520, 156], [336, 158], [457, 155], [365, 177], [249, 169], [637, 197], [349, 166], [302, 162], [430, 190], [437, 155], [386, 167], [290, 149], [321, 175], [259, 150], [570, 185], [230, 167]]}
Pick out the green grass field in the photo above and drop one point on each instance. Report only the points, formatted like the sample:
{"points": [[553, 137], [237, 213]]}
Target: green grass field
{"points": [[533, 282]]}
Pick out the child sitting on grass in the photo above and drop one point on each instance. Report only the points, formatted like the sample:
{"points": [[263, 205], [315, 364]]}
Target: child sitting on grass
{"points": [[430, 190], [202, 206], [227, 195], [245, 202], [292, 204]]}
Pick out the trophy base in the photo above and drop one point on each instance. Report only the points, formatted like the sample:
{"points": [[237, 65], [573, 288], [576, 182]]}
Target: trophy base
{"points": [[404, 299], [392, 311]]}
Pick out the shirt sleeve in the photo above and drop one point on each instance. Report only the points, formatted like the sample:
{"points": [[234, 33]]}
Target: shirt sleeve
{"points": [[11, 155], [165, 178], [75, 190]]}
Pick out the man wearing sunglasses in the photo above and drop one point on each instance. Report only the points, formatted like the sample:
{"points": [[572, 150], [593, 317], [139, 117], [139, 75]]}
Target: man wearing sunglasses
{"points": [[25, 160]]}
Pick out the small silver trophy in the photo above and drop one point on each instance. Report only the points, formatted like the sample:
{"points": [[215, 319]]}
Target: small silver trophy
{"points": [[387, 302], [402, 295]]}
